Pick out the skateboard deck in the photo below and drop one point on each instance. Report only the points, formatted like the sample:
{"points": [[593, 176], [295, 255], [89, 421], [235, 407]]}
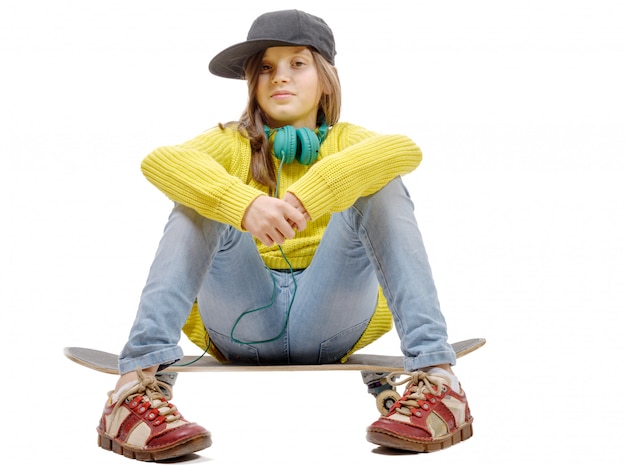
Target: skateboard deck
{"points": [[106, 362]]}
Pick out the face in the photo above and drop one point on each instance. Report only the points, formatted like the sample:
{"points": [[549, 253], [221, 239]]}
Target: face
{"points": [[288, 89]]}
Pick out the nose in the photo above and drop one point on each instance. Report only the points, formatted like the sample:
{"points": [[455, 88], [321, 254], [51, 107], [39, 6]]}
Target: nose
{"points": [[281, 74]]}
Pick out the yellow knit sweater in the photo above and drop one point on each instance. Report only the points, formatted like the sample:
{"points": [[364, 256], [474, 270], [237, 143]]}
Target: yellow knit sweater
{"points": [[211, 174]]}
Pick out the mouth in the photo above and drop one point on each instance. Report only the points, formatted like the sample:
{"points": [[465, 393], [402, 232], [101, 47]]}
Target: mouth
{"points": [[281, 94]]}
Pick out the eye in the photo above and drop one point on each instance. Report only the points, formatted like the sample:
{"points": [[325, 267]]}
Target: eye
{"points": [[265, 68], [299, 63]]}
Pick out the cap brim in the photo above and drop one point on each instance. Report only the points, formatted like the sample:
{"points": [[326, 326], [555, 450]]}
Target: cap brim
{"points": [[230, 62]]}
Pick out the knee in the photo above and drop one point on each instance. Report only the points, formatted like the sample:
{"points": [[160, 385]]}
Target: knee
{"points": [[390, 199]]}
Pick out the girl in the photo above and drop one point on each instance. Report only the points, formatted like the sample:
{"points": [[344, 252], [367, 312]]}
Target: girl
{"points": [[292, 240]]}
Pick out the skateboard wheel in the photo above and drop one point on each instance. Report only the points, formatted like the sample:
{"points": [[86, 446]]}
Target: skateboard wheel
{"points": [[385, 400]]}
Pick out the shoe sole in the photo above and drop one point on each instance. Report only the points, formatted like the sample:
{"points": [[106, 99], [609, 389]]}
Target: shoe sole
{"points": [[387, 439], [188, 447]]}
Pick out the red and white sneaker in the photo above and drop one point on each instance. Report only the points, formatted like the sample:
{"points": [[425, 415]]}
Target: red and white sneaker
{"points": [[141, 424], [430, 416]]}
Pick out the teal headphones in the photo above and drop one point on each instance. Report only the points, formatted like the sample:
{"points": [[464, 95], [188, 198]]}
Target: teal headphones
{"points": [[300, 144]]}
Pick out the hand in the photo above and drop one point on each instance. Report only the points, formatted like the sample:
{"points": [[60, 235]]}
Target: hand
{"points": [[295, 202], [273, 220]]}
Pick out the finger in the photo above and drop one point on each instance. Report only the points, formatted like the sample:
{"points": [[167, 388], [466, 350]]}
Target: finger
{"points": [[285, 231], [278, 237], [301, 224], [296, 220]]}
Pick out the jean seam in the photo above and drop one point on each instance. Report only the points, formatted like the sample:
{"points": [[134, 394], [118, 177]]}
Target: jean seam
{"points": [[380, 274]]}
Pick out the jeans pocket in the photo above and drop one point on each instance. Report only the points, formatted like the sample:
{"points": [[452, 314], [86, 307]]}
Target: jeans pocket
{"points": [[234, 351], [335, 347]]}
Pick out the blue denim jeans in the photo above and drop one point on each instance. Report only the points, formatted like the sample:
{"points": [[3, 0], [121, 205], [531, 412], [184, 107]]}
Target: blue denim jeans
{"points": [[315, 315]]}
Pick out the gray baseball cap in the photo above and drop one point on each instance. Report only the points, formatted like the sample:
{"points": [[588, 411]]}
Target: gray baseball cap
{"points": [[275, 29]]}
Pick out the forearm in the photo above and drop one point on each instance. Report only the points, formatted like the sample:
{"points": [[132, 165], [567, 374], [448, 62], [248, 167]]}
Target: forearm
{"points": [[195, 180], [334, 183]]}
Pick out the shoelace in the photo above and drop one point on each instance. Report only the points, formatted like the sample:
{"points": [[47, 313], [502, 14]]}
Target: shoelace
{"points": [[421, 391], [148, 388]]}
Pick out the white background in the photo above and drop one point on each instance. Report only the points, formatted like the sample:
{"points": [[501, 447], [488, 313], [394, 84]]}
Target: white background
{"points": [[519, 108]]}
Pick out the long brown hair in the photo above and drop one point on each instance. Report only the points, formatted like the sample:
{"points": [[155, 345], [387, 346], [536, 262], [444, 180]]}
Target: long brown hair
{"points": [[253, 119]]}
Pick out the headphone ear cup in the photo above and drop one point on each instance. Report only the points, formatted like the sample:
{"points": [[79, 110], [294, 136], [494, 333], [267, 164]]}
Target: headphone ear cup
{"points": [[286, 144], [308, 145]]}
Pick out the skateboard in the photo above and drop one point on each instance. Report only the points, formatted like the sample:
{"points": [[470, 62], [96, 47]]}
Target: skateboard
{"points": [[374, 368]]}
